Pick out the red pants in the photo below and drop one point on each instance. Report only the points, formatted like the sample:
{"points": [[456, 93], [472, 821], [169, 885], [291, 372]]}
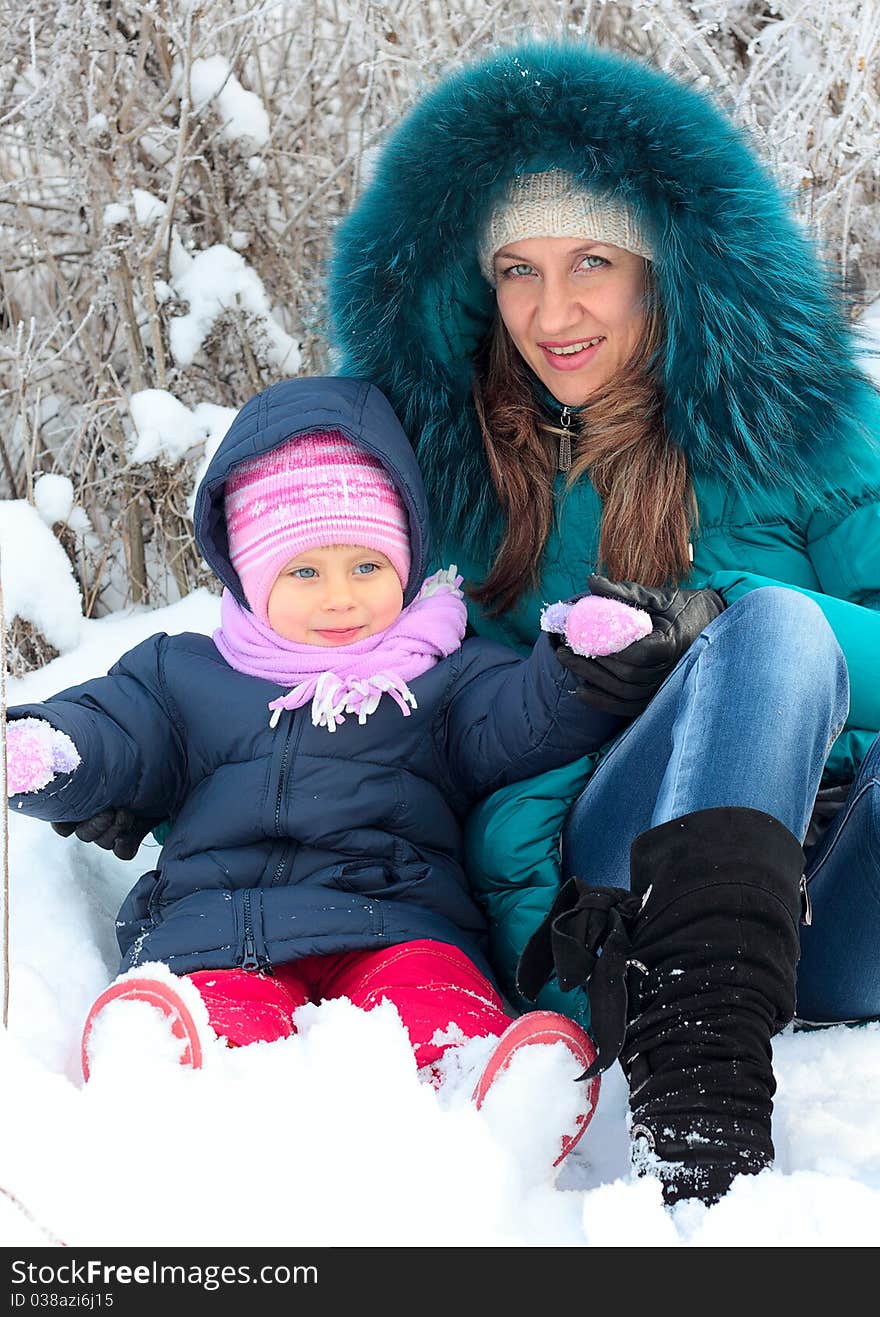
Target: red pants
{"points": [[433, 985]]}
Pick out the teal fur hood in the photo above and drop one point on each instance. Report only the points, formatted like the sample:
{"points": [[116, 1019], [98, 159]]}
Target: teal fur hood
{"points": [[759, 372]]}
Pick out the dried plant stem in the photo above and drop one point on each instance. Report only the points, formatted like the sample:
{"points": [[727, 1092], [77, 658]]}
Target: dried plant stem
{"points": [[155, 326]]}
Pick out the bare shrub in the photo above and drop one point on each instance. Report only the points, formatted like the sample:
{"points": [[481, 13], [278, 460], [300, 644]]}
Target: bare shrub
{"points": [[26, 648], [140, 136]]}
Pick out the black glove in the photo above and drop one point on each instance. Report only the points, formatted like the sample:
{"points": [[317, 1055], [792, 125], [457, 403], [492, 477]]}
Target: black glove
{"points": [[116, 830], [626, 682]]}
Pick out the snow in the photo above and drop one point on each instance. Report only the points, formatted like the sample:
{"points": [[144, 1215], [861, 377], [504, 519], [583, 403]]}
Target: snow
{"points": [[341, 1141], [115, 213], [213, 281], [167, 432], [164, 428], [869, 334], [53, 498], [148, 208], [38, 581], [241, 112]]}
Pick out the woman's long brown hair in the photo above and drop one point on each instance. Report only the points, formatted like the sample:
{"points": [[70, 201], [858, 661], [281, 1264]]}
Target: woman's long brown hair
{"points": [[619, 441]]}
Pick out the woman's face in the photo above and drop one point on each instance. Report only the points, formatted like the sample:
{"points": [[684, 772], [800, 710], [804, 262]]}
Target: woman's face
{"points": [[575, 310]]}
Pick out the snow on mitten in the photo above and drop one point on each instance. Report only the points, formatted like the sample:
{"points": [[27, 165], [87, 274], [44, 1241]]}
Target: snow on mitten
{"points": [[594, 626], [36, 752]]}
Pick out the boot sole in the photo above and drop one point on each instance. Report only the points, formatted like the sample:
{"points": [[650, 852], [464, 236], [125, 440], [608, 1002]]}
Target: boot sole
{"points": [[163, 997], [544, 1027]]}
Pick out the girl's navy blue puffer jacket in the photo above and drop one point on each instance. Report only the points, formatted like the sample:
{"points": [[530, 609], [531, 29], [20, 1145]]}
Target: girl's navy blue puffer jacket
{"points": [[291, 842]]}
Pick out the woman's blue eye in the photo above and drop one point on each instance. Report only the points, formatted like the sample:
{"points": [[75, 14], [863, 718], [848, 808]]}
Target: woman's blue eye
{"points": [[521, 270], [517, 270]]}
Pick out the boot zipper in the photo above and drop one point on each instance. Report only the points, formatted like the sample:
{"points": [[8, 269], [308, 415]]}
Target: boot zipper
{"points": [[564, 460], [806, 903]]}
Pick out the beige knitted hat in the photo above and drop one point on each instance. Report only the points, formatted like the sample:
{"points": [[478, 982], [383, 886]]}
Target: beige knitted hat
{"points": [[551, 205]]}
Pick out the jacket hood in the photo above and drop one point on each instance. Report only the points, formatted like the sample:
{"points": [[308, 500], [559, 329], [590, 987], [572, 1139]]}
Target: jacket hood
{"points": [[298, 406], [758, 366]]}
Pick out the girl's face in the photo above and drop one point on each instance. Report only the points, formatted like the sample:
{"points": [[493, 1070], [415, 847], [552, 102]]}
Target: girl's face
{"points": [[575, 310], [335, 595]]}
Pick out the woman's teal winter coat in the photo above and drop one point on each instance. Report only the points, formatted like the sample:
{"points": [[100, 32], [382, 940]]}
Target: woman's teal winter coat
{"points": [[761, 389]]}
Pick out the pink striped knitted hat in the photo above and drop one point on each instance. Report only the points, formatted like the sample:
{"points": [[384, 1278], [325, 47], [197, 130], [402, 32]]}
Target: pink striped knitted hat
{"points": [[312, 490]]}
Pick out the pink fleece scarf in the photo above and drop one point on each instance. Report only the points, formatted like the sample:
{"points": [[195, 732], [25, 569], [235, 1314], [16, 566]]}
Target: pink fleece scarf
{"points": [[350, 678]]}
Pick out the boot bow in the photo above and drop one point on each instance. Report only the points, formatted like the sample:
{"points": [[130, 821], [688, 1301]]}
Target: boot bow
{"points": [[585, 940]]}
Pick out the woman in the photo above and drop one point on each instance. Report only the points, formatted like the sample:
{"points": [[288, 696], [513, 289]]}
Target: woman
{"points": [[615, 351]]}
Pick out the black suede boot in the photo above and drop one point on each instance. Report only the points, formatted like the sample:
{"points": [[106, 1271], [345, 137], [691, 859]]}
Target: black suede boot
{"points": [[689, 976]]}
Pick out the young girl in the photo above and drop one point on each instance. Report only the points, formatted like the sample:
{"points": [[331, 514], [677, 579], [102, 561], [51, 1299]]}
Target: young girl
{"points": [[316, 756]]}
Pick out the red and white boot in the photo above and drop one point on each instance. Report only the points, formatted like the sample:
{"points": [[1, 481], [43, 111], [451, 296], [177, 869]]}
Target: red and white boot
{"points": [[239, 1006], [174, 997], [543, 1027]]}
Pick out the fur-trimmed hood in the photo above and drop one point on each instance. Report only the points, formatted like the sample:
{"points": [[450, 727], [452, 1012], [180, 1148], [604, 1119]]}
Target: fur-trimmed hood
{"points": [[759, 373]]}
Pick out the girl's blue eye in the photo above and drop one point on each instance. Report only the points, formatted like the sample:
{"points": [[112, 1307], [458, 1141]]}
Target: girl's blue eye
{"points": [[367, 568], [301, 573]]}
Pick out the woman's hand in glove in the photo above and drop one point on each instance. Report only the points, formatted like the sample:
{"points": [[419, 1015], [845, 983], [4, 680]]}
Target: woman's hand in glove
{"points": [[625, 682]]}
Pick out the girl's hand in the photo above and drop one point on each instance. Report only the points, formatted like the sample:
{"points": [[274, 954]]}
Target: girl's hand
{"points": [[116, 830], [36, 753]]}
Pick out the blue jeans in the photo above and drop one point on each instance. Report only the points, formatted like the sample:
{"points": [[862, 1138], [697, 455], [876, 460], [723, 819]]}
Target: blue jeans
{"points": [[747, 718]]}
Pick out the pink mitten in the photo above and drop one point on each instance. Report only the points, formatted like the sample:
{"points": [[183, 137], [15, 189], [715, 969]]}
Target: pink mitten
{"points": [[36, 752], [594, 625], [597, 626]]}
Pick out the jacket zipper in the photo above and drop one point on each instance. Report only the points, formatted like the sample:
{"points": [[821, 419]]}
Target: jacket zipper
{"points": [[250, 947], [281, 767], [279, 868], [563, 462], [251, 959], [806, 902]]}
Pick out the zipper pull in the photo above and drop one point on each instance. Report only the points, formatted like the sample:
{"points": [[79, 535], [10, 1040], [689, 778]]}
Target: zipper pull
{"points": [[564, 459], [250, 953], [806, 903]]}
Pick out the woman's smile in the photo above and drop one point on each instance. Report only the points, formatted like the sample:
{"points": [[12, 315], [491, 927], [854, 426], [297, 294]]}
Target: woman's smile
{"points": [[573, 355]]}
